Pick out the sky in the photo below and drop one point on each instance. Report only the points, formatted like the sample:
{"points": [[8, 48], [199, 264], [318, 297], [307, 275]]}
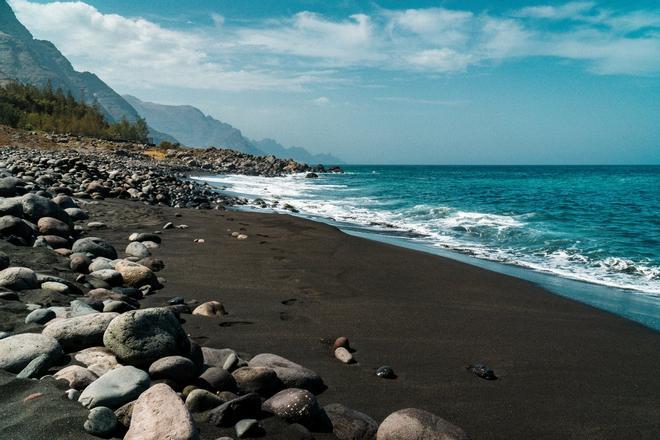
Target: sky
{"points": [[411, 82]]}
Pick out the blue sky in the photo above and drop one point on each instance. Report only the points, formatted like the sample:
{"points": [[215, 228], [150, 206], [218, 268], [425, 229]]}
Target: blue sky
{"points": [[388, 81]]}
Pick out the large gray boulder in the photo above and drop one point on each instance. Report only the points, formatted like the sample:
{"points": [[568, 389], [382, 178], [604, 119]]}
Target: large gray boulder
{"points": [[115, 388], [137, 249], [36, 207], [18, 278], [11, 206], [412, 423], [348, 424], [10, 225], [80, 332], [11, 186], [19, 350], [140, 337], [159, 413], [291, 374], [95, 246]]}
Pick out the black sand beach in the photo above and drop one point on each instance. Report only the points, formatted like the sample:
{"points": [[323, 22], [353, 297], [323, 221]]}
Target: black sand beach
{"points": [[565, 370]]}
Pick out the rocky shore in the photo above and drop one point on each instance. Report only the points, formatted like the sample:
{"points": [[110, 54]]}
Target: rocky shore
{"points": [[77, 341]]}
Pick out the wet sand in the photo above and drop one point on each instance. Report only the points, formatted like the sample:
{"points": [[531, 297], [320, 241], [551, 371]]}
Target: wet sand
{"points": [[566, 370]]}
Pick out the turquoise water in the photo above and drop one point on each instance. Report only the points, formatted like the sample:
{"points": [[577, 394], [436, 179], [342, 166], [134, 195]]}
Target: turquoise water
{"points": [[591, 224]]}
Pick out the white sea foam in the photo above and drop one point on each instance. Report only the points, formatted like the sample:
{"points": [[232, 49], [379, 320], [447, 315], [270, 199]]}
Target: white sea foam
{"points": [[482, 235]]}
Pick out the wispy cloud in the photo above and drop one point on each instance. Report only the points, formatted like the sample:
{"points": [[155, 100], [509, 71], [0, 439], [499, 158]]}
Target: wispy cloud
{"points": [[295, 52], [408, 100], [321, 101]]}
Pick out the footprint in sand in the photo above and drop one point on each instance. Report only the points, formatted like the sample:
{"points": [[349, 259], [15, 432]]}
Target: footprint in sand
{"points": [[233, 323], [290, 302]]}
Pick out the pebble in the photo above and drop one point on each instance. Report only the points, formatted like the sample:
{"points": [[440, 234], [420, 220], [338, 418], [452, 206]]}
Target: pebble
{"points": [[385, 372], [482, 371], [56, 287], [72, 394], [241, 237], [344, 355], [176, 300], [341, 341], [199, 240], [101, 421]]}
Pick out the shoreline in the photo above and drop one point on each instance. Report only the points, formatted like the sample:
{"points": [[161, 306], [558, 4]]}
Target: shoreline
{"points": [[629, 303]]}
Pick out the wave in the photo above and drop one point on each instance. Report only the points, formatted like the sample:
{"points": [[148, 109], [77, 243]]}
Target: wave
{"points": [[508, 238]]}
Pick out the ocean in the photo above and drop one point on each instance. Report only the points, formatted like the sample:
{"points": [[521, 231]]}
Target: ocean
{"points": [[591, 233]]}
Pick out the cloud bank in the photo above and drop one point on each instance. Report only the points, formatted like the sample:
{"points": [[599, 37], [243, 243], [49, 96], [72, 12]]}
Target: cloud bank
{"points": [[295, 52]]}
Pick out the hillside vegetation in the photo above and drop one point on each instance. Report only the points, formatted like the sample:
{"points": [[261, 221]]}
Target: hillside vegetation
{"points": [[33, 108]]}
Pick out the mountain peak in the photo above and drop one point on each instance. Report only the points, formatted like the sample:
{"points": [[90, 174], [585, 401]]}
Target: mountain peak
{"points": [[10, 25]]}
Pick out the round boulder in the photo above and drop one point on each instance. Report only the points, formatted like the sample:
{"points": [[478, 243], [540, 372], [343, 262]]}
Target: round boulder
{"points": [[412, 423], [176, 368], [291, 374], [101, 422], [80, 332], [295, 406], [95, 246], [137, 249], [136, 275], [19, 350], [18, 278], [115, 388], [53, 226], [141, 337]]}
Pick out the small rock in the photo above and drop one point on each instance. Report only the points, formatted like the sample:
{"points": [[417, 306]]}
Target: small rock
{"points": [[260, 380], [482, 371], [56, 287], [344, 355], [53, 226], [78, 377], [176, 300], [227, 414], [341, 341], [72, 394], [291, 374], [101, 422], [125, 413], [96, 225], [213, 309], [199, 240], [217, 379], [108, 276], [248, 428], [241, 237], [385, 372], [39, 316], [95, 246]]}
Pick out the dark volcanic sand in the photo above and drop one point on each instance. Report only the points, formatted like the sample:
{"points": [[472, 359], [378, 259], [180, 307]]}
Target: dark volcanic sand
{"points": [[565, 370]]}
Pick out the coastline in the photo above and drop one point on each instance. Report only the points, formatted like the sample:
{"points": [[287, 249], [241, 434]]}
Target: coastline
{"points": [[566, 370]]}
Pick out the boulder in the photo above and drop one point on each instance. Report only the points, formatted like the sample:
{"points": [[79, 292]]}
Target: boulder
{"points": [[101, 263], [53, 226], [98, 360], [37, 366], [291, 374], [217, 379], [159, 413], [36, 207], [137, 250], [295, 405], [227, 414], [17, 351], [11, 186], [348, 424], [39, 316], [10, 225], [76, 376], [79, 262], [108, 276], [202, 400], [176, 368], [80, 332], [18, 278], [412, 423], [136, 275], [95, 246], [141, 337], [260, 380], [115, 388], [76, 214], [101, 422], [11, 206]]}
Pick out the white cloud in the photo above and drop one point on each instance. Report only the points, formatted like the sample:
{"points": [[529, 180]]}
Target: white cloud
{"points": [[307, 48], [321, 101]]}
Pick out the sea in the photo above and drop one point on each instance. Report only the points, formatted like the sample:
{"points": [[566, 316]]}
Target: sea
{"points": [[590, 233]]}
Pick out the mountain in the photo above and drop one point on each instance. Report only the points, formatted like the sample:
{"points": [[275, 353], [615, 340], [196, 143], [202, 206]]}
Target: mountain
{"points": [[191, 127], [195, 129], [271, 146], [38, 62]]}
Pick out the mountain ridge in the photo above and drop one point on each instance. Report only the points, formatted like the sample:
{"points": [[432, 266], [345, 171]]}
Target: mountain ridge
{"points": [[193, 128]]}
